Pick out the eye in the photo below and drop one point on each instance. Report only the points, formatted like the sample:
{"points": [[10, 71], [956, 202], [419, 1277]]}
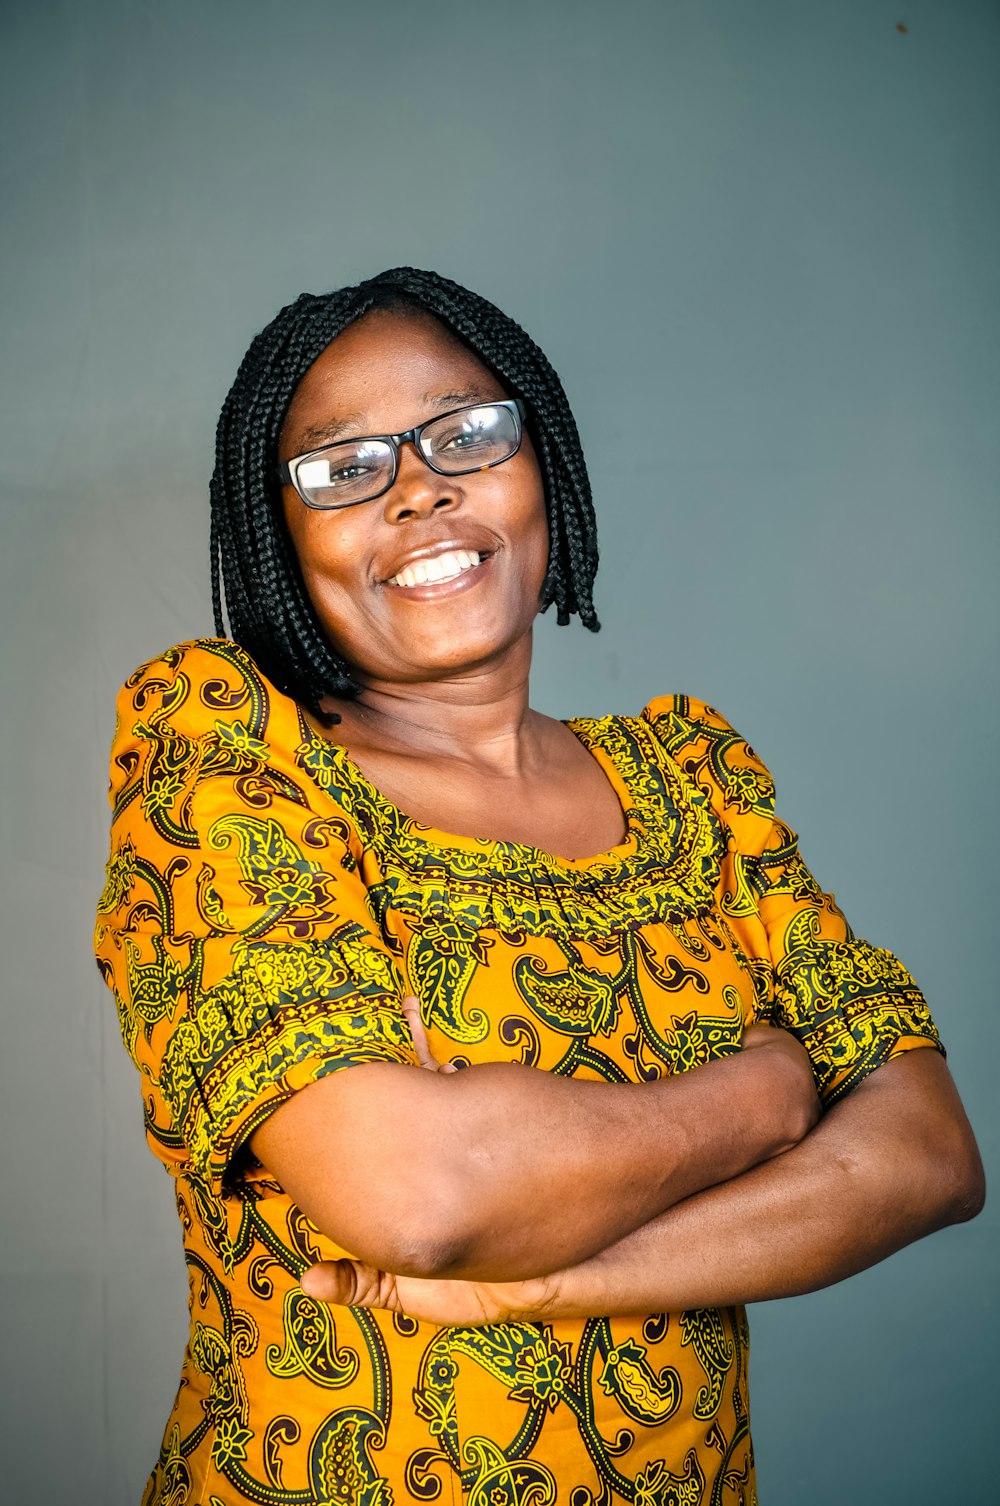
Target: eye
{"points": [[464, 441], [472, 439], [352, 472], [345, 473], [468, 432]]}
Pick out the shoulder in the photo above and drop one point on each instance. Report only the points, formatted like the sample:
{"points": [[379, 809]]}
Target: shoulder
{"points": [[192, 686], [708, 749], [206, 696], [206, 688], [201, 716]]}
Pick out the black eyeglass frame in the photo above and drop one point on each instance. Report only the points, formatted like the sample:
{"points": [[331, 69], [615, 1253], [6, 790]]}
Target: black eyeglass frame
{"points": [[288, 470]]}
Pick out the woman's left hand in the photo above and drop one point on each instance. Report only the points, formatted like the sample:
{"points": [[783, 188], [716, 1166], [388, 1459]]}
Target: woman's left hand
{"points": [[426, 1058], [349, 1283]]}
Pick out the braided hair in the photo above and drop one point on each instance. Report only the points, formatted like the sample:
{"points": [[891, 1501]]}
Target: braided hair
{"points": [[253, 560]]}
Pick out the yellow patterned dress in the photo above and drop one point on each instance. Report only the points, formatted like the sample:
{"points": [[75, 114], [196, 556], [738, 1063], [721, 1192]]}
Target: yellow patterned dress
{"points": [[266, 909]]}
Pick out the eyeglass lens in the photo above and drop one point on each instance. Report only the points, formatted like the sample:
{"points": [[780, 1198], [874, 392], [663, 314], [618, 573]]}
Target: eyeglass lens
{"points": [[454, 445]]}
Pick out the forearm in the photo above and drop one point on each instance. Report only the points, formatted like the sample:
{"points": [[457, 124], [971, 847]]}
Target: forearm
{"points": [[511, 1170], [879, 1171], [578, 1159]]}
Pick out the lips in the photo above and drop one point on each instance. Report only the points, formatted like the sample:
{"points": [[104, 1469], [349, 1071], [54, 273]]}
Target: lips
{"points": [[438, 564], [439, 567]]}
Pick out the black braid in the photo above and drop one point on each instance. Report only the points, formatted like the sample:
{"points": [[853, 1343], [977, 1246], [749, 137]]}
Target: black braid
{"points": [[254, 569]]}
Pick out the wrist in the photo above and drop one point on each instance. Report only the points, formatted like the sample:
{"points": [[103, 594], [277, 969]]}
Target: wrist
{"points": [[574, 1292]]}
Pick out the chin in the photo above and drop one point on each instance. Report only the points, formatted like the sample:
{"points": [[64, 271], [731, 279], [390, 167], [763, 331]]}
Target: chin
{"points": [[452, 664], [463, 643], [439, 661]]}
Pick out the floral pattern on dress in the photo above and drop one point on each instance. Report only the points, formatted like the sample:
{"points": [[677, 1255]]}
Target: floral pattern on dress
{"points": [[264, 912]]}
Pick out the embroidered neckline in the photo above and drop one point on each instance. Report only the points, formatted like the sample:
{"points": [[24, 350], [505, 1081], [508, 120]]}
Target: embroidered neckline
{"points": [[391, 816], [666, 868]]}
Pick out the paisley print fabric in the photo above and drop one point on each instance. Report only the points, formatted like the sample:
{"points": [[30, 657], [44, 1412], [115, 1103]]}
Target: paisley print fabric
{"points": [[265, 911]]}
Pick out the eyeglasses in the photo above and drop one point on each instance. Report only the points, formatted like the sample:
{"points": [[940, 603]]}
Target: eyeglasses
{"points": [[453, 444]]}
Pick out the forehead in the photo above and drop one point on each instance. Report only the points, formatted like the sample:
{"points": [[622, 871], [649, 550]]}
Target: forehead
{"points": [[384, 373]]}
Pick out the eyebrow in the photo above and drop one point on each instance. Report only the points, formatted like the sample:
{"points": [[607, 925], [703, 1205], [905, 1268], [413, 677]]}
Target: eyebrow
{"points": [[351, 425]]}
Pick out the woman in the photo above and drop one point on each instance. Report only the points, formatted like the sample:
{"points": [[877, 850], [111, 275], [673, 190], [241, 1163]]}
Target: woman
{"points": [[351, 808]]}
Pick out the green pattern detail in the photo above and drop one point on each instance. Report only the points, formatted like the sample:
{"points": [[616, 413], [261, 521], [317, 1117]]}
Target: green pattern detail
{"points": [[434, 1395], [282, 1005], [442, 961], [502, 1482], [311, 1344], [341, 1470], [744, 789], [656, 1486], [646, 1396], [276, 872], [500, 1348], [704, 1330], [848, 1002], [578, 1001]]}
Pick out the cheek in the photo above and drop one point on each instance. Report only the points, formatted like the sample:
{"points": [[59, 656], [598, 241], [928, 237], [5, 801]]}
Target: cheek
{"points": [[537, 531], [521, 503], [340, 609], [330, 551], [327, 546]]}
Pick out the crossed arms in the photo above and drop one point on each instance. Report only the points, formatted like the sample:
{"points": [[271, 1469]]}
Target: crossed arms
{"points": [[501, 1190]]}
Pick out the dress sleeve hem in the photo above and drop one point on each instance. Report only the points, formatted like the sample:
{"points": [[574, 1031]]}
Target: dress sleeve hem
{"points": [[288, 1015]]}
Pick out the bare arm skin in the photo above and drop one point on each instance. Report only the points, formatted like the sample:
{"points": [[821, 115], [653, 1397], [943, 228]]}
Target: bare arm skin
{"points": [[890, 1163], [466, 1174]]}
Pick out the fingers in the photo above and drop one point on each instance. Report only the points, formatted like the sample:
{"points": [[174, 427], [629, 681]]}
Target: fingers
{"points": [[332, 1281], [350, 1283], [411, 1009]]}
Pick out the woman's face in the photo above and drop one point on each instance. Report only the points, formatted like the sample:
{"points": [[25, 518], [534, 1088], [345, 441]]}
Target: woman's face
{"points": [[386, 373]]}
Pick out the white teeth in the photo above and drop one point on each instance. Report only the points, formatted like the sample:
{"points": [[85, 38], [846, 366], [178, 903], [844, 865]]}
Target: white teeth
{"points": [[441, 567]]}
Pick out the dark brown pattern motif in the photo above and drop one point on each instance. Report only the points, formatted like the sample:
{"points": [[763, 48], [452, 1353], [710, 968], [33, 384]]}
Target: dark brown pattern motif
{"points": [[264, 912]]}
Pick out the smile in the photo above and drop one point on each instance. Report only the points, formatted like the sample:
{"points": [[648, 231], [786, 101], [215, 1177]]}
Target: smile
{"points": [[442, 567]]}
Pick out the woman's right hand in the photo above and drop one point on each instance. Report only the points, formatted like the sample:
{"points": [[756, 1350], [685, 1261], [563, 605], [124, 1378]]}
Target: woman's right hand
{"points": [[794, 1080]]}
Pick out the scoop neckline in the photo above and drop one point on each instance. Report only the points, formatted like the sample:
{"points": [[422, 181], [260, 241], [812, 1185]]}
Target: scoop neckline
{"points": [[587, 732]]}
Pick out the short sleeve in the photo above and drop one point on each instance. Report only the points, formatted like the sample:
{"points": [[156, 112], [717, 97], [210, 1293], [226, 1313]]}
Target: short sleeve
{"points": [[851, 1004], [234, 929]]}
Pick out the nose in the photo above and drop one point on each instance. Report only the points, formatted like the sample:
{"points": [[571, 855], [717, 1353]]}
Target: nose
{"points": [[417, 490]]}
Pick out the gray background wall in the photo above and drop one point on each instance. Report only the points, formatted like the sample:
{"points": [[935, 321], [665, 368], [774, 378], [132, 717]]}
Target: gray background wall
{"points": [[759, 241]]}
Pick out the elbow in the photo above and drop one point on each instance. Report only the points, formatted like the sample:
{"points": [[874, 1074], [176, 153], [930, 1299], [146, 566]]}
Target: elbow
{"points": [[967, 1187], [453, 1216], [430, 1255], [959, 1178], [424, 1231], [429, 1244], [940, 1157]]}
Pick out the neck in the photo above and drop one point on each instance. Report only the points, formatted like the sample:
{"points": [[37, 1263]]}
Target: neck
{"points": [[480, 716]]}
